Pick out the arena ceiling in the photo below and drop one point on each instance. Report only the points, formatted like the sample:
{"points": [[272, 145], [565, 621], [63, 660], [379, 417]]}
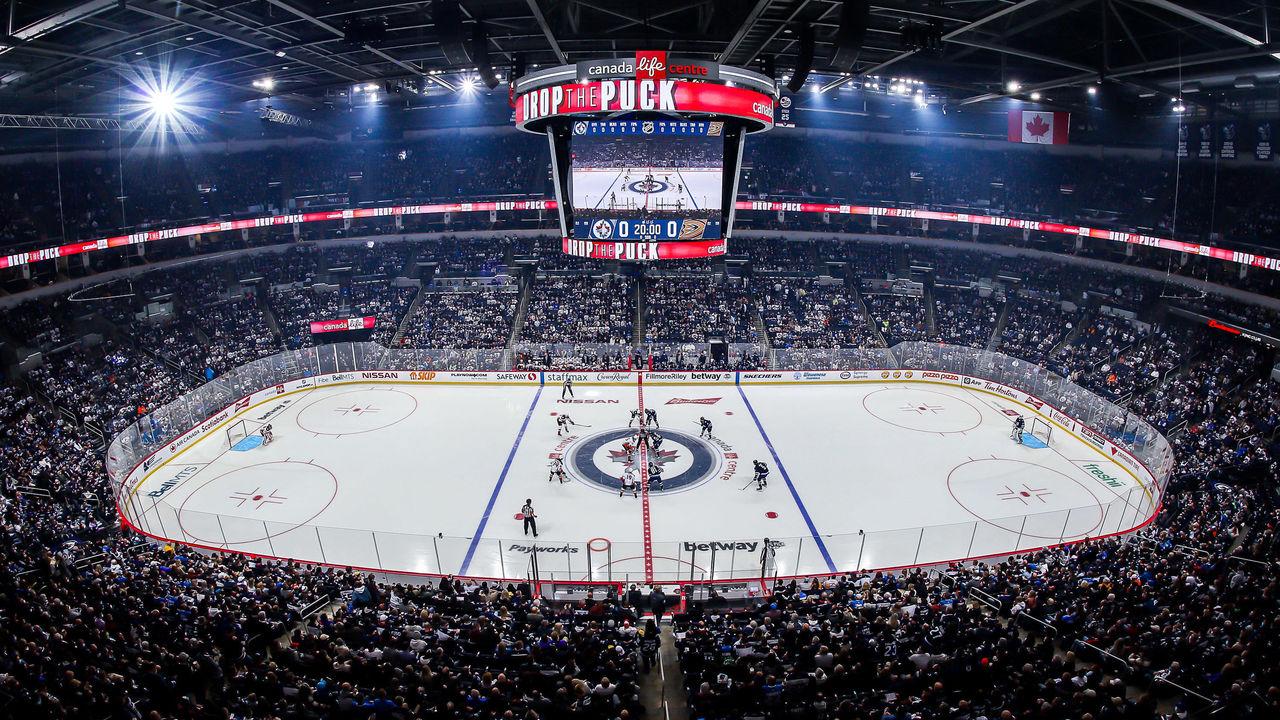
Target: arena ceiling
{"points": [[75, 55]]}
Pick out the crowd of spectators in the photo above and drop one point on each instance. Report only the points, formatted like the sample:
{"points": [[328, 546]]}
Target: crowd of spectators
{"points": [[811, 314], [695, 309], [1188, 603], [99, 625], [476, 317], [899, 318], [964, 317], [580, 309], [1034, 328]]}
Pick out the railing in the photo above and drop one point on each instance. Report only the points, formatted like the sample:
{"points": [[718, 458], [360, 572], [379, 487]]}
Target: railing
{"points": [[687, 560]]}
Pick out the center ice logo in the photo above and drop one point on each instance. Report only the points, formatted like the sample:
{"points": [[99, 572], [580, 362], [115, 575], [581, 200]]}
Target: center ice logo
{"points": [[649, 185], [686, 461]]}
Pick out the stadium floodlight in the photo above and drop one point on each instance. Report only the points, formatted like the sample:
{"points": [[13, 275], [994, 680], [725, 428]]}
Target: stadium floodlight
{"points": [[468, 85], [162, 103], [267, 84], [1013, 86], [1092, 90], [1035, 96]]}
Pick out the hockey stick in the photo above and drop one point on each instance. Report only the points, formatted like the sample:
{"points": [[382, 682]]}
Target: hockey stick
{"points": [[579, 425], [744, 487]]}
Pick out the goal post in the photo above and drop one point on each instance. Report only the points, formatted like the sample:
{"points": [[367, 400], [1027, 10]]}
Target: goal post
{"points": [[236, 432], [1041, 428]]}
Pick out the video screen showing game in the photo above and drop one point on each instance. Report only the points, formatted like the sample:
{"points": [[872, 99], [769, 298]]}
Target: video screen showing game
{"points": [[647, 180]]}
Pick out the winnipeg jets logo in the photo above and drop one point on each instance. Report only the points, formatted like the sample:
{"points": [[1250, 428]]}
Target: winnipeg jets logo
{"points": [[602, 229], [685, 461], [579, 128]]}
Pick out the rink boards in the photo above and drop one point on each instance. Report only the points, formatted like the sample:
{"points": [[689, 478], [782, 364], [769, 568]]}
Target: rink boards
{"points": [[424, 472]]}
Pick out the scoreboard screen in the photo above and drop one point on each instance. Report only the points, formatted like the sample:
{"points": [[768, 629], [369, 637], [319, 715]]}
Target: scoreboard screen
{"points": [[646, 179]]}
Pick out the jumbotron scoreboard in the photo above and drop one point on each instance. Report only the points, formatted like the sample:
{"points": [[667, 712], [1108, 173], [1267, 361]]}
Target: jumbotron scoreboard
{"points": [[646, 150]]}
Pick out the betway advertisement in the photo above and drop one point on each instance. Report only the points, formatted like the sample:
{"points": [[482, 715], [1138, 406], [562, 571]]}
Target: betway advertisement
{"points": [[614, 96], [327, 326]]}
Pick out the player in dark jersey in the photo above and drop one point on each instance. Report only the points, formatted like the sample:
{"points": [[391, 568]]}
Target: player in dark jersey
{"points": [[655, 476], [762, 474], [705, 426]]}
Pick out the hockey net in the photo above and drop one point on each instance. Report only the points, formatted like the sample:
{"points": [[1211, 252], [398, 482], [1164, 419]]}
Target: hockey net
{"points": [[236, 432], [1041, 429]]}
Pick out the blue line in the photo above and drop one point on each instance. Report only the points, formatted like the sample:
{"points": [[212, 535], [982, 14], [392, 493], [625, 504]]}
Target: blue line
{"points": [[484, 519], [692, 202], [831, 566]]}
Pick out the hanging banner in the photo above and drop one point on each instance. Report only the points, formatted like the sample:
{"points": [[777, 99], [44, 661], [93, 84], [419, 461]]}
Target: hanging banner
{"points": [[1227, 141], [784, 115], [1262, 141], [1183, 132], [1204, 145]]}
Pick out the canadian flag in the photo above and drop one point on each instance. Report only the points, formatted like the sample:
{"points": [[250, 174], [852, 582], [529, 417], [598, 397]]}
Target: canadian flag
{"points": [[1036, 126]]}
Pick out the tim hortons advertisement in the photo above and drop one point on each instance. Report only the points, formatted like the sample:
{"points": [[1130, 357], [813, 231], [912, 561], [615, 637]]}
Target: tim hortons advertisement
{"points": [[651, 95]]}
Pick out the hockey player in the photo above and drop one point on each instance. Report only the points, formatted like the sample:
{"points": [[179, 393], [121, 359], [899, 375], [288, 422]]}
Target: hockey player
{"points": [[563, 422], [1018, 424], [651, 417], [762, 475], [655, 441], [655, 476], [635, 418], [557, 471], [629, 483], [629, 447], [267, 434], [705, 424], [566, 387]]}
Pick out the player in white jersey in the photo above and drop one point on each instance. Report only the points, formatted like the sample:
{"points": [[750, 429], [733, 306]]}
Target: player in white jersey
{"points": [[629, 484], [557, 471]]}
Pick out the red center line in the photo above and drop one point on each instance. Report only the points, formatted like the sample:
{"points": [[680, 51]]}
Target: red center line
{"points": [[644, 487]]}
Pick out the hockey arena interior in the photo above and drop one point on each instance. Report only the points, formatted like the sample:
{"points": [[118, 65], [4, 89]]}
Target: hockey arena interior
{"points": [[686, 359]]}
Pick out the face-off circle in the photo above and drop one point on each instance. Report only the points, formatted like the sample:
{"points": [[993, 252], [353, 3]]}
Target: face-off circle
{"points": [[1024, 498], [921, 410], [599, 460], [256, 502], [356, 411], [648, 185]]}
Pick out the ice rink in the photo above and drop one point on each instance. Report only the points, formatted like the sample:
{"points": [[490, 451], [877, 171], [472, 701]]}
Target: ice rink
{"points": [[650, 189], [431, 478]]}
